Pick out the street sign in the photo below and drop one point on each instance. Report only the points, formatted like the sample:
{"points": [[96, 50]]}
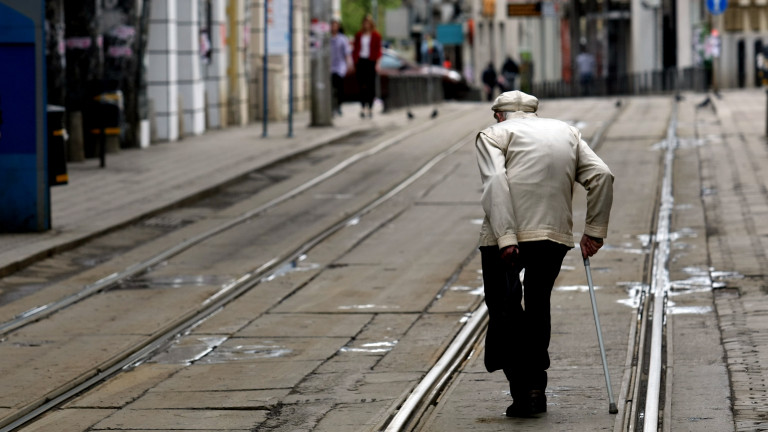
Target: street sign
{"points": [[278, 37], [517, 8], [716, 7]]}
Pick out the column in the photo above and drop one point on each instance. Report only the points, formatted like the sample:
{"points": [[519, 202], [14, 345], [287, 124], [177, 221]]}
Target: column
{"points": [[162, 80], [191, 85]]}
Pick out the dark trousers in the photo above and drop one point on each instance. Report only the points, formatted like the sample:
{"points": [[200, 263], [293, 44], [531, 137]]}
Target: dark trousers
{"points": [[517, 340], [366, 81], [337, 81]]}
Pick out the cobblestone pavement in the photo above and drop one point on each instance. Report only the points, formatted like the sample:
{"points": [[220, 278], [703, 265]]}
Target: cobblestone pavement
{"points": [[734, 172]]}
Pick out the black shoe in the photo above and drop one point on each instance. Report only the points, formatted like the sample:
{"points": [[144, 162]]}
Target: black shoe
{"points": [[538, 401], [362, 114], [520, 408]]}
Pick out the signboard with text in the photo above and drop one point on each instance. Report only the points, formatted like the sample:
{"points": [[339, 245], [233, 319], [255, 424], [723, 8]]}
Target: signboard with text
{"points": [[518, 8], [278, 29]]}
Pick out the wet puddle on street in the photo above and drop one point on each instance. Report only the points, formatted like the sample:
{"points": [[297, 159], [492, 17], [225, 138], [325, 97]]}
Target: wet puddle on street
{"points": [[226, 354], [367, 307], [300, 264], [478, 291], [176, 281], [371, 347], [187, 351]]}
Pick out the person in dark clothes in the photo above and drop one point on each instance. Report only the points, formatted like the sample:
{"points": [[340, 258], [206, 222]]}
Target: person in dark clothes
{"points": [[509, 71], [341, 63], [489, 80], [366, 53]]}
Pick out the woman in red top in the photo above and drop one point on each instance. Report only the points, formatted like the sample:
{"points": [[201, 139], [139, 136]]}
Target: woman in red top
{"points": [[366, 53]]}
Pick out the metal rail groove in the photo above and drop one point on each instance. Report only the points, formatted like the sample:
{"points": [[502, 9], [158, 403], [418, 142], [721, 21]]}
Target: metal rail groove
{"points": [[140, 352], [660, 282], [430, 387], [40, 312]]}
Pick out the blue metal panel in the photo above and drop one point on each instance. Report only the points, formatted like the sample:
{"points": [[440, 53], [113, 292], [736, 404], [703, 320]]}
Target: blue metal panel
{"points": [[24, 194], [18, 208], [15, 27], [450, 34], [17, 99]]}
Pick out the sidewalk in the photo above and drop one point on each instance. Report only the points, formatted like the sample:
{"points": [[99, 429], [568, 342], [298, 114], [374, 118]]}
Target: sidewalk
{"points": [[138, 182], [735, 196]]}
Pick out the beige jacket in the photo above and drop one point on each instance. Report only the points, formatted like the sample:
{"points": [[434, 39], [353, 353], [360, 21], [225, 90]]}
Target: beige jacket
{"points": [[528, 166]]}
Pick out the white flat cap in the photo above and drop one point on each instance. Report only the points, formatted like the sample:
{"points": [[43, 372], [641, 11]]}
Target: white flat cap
{"points": [[515, 100]]}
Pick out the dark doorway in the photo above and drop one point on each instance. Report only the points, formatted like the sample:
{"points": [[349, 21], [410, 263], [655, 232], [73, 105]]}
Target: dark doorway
{"points": [[741, 55]]}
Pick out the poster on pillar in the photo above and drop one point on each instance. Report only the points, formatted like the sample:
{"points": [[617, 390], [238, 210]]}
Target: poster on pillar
{"points": [[278, 27]]}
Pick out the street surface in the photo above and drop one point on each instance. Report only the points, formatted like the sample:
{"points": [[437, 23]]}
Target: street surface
{"points": [[358, 281]]}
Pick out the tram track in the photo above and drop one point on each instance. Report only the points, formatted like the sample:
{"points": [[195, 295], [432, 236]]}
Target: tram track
{"points": [[42, 311], [229, 292]]}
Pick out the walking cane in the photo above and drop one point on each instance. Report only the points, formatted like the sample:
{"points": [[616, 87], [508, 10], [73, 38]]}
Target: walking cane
{"points": [[612, 407]]}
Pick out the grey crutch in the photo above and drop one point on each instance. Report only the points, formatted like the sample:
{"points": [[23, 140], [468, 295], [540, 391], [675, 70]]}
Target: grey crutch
{"points": [[612, 407]]}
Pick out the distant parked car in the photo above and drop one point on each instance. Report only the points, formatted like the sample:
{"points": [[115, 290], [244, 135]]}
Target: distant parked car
{"points": [[392, 64]]}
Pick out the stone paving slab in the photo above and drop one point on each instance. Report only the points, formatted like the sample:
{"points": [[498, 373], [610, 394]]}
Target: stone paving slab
{"points": [[243, 399], [159, 419], [124, 388], [69, 420]]}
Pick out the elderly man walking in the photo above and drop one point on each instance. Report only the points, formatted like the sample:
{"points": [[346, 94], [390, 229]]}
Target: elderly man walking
{"points": [[528, 166]]}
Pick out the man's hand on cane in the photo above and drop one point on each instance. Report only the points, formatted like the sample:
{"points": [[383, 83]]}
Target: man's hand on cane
{"points": [[590, 245], [510, 254]]}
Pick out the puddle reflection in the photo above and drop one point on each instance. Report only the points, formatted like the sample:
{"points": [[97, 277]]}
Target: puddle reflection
{"points": [[371, 347], [245, 352]]}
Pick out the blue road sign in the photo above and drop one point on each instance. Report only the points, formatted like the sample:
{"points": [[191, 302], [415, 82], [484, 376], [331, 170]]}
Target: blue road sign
{"points": [[716, 7]]}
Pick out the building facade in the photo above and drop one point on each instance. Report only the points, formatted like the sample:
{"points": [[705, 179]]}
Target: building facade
{"points": [[176, 67], [624, 36]]}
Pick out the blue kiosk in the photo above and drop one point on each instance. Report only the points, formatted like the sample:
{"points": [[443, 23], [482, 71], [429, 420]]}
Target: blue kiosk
{"points": [[24, 189]]}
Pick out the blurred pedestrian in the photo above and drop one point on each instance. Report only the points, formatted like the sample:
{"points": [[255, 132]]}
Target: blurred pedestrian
{"points": [[585, 65], [528, 166], [490, 81], [366, 53], [341, 63], [432, 52], [509, 71]]}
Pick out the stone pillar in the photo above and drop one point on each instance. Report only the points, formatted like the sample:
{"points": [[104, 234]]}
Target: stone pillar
{"points": [[237, 72], [214, 71], [191, 85], [163, 78]]}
